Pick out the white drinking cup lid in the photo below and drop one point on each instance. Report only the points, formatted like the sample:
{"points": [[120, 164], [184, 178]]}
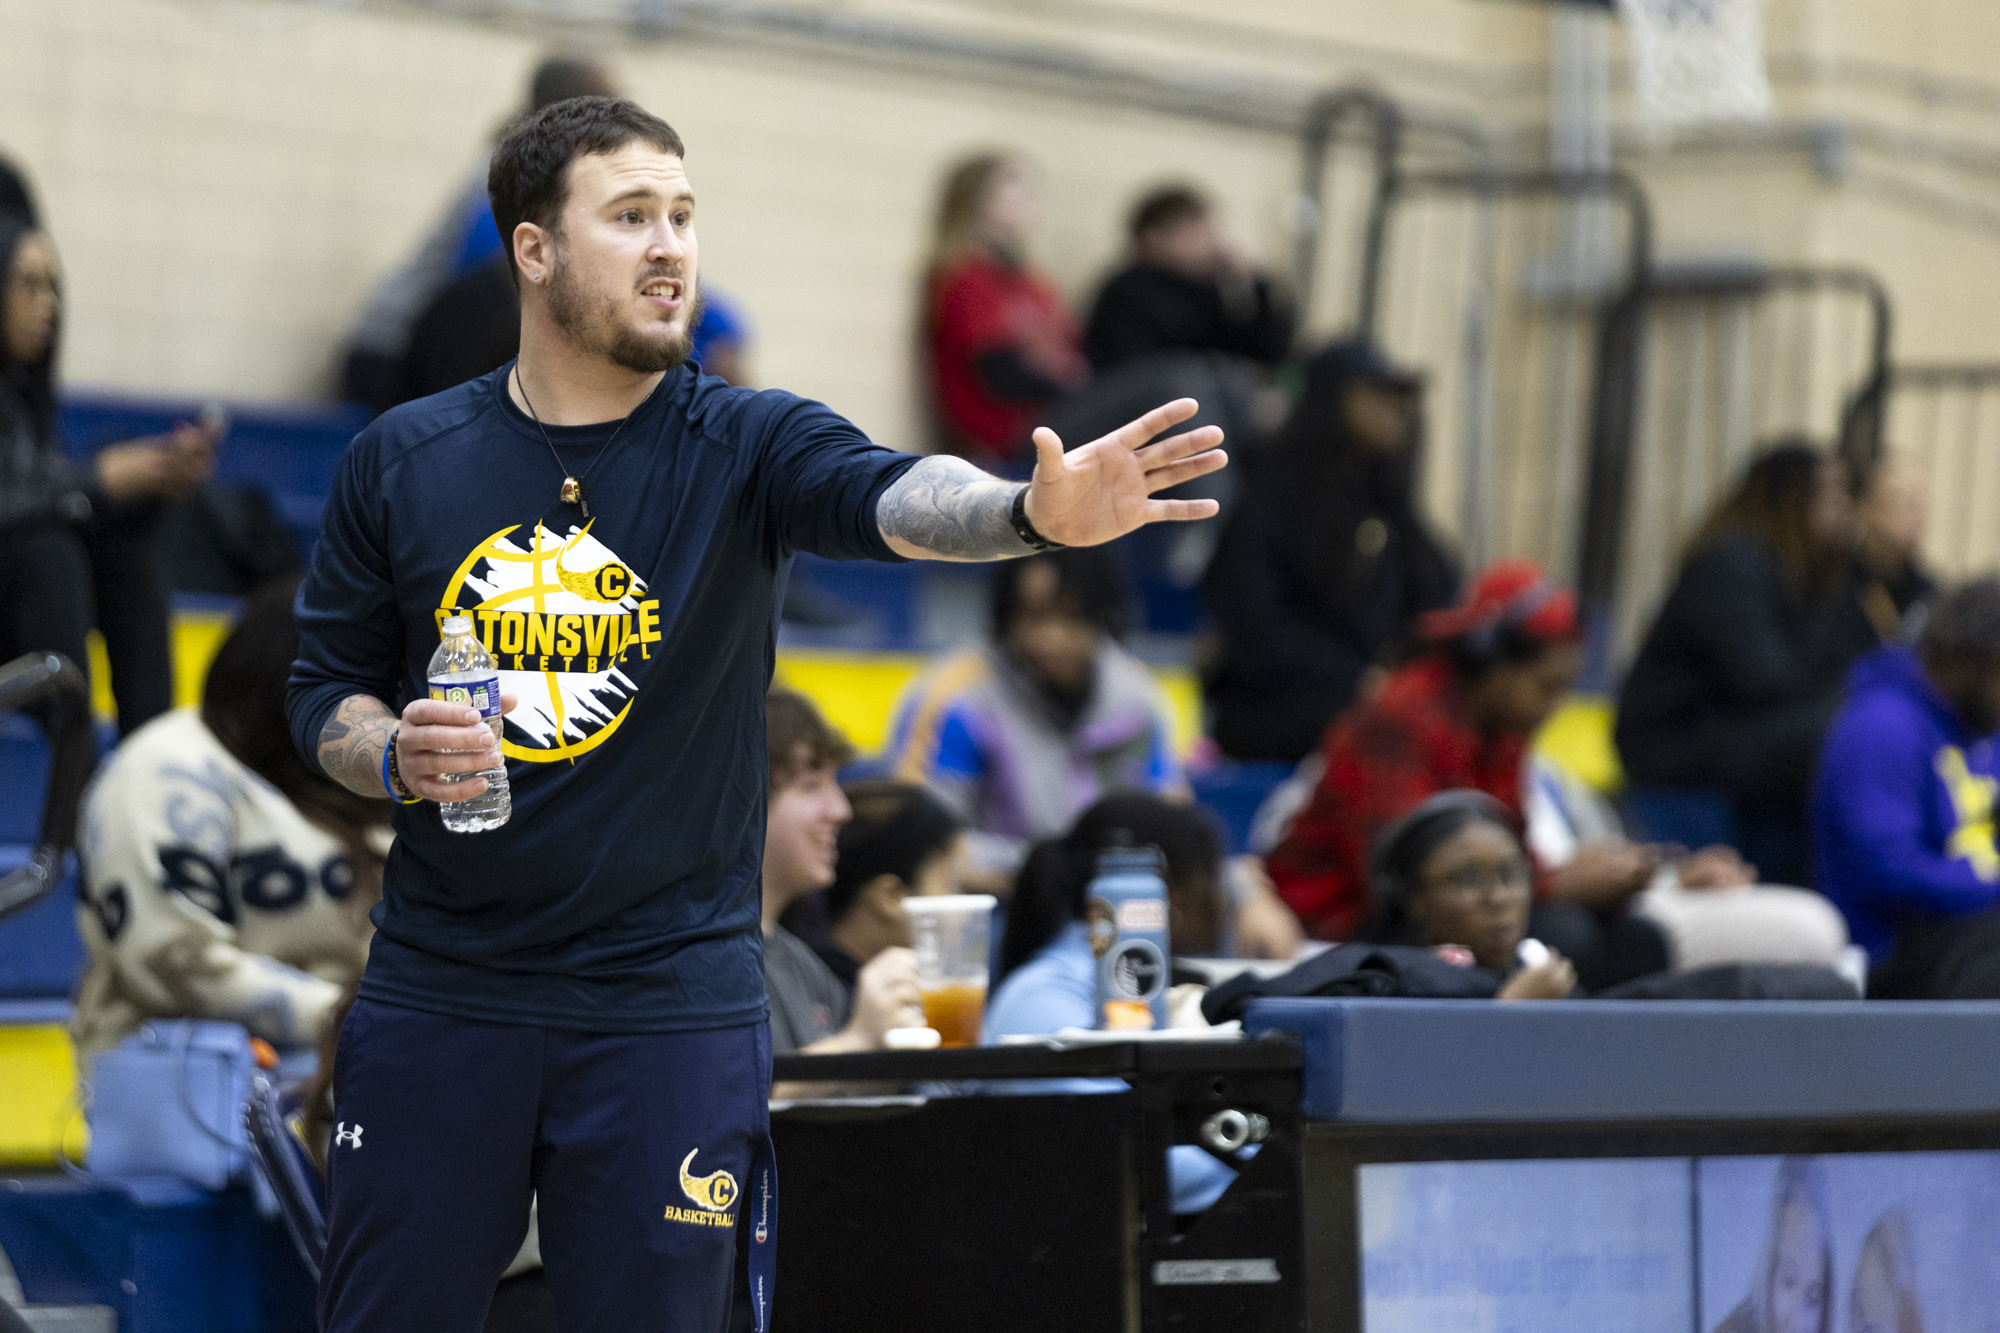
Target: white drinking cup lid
{"points": [[951, 902]]}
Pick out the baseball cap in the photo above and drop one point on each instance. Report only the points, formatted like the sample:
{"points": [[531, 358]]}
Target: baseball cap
{"points": [[1506, 593]]}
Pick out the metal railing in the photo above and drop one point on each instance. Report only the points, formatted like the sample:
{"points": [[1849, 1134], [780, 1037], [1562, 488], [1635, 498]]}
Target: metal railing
{"points": [[1945, 419], [1519, 294], [1737, 356], [52, 681], [1354, 142]]}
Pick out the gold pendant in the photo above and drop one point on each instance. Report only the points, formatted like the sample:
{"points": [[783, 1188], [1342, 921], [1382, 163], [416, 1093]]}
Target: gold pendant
{"points": [[572, 492]]}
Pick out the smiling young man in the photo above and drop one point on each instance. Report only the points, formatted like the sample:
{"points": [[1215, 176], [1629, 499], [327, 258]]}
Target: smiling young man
{"points": [[573, 1004]]}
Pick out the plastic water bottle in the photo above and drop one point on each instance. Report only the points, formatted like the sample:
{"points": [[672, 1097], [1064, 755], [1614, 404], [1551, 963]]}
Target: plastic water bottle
{"points": [[463, 672], [1127, 912]]}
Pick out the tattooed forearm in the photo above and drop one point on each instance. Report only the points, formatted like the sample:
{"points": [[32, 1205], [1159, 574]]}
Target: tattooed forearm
{"points": [[352, 742], [947, 509]]}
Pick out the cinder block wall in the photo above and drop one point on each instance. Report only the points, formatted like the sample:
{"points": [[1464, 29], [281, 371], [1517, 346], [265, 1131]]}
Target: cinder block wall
{"points": [[228, 178]]}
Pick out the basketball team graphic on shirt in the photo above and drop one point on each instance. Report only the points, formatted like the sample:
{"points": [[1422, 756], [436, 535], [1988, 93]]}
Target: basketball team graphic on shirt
{"points": [[569, 623]]}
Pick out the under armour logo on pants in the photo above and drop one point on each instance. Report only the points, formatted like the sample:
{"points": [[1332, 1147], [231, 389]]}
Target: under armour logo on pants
{"points": [[344, 1135]]}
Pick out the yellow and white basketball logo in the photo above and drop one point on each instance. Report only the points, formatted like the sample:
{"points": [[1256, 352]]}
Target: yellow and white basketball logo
{"points": [[564, 618], [712, 1195]]}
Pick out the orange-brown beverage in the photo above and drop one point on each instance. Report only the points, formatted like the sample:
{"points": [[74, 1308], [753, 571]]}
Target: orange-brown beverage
{"points": [[955, 1012]]}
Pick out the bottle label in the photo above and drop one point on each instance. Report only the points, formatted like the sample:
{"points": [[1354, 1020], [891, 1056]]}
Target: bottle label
{"points": [[481, 694], [1127, 918]]}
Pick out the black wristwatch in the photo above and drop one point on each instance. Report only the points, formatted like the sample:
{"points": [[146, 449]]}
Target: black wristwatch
{"points": [[1018, 515]]}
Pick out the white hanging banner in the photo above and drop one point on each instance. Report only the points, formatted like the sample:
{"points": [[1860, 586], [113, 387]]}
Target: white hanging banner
{"points": [[1697, 62]]}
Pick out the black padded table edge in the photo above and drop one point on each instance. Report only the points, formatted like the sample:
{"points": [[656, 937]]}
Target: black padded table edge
{"points": [[1271, 1051]]}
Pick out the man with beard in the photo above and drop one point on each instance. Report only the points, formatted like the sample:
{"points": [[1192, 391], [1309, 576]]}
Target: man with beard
{"points": [[1903, 810], [573, 1004]]}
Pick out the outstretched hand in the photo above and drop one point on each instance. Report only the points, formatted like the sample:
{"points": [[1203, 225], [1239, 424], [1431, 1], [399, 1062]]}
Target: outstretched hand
{"points": [[1105, 489]]}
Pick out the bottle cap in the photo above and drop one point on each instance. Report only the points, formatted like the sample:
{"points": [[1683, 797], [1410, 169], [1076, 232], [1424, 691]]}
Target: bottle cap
{"points": [[458, 624]]}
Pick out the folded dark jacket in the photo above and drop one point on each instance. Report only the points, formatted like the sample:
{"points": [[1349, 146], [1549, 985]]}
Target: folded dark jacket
{"points": [[1357, 971], [1394, 971]]}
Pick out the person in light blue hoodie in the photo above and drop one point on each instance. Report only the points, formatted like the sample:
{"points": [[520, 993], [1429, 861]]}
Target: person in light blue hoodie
{"points": [[1904, 806], [1047, 978]]}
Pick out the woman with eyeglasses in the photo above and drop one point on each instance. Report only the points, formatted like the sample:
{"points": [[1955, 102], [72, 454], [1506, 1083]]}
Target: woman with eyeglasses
{"points": [[1452, 873]]}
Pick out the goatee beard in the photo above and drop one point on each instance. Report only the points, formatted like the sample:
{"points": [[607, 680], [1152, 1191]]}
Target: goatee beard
{"points": [[646, 356], [650, 357]]}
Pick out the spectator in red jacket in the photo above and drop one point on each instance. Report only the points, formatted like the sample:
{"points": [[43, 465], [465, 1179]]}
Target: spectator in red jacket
{"points": [[1497, 667], [1000, 340]]}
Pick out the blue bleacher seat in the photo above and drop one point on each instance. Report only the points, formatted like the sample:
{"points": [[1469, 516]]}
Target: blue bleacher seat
{"points": [[41, 954], [1689, 816], [167, 1257], [24, 778], [292, 453], [1234, 791]]}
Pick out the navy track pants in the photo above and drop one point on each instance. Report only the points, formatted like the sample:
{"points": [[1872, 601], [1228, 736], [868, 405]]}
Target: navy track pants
{"points": [[640, 1148]]}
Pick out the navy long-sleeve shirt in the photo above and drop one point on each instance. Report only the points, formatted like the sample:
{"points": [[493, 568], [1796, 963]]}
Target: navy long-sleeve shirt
{"points": [[1903, 813], [622, 896]]}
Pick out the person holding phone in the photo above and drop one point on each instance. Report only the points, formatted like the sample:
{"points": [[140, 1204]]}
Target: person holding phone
{"points": [[79, 538]]}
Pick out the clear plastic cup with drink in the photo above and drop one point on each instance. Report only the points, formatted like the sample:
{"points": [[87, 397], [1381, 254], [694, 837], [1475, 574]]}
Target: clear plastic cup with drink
{"points": [[951, 935]]}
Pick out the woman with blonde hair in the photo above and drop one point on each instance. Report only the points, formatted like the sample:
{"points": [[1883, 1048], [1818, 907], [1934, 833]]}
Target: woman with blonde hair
{"points": [[1884, 1298], [999, 339], [1793, 1291]]}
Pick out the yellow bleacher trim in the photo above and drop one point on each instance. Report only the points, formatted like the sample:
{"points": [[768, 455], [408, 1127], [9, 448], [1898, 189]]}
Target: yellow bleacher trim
{"points": [[1579, 738], [196, 636], [858, 692], [38, 1070], [1183, 693]]}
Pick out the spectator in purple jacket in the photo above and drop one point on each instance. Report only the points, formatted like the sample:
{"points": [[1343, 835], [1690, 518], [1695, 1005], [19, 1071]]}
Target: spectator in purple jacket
{"points": [[1903, 813]]}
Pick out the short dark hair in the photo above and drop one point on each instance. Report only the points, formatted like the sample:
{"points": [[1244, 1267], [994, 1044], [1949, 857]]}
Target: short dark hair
{"points": [[529, 178], [243, 707], [15, 196], [898, 828], [1964, 625], [1050, 891], [798, 737], [1088, 578], [1164, 207], [1396, 861]]}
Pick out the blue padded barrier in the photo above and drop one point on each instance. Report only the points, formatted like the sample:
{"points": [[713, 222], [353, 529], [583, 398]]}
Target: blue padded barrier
{"points": [[167, 1257], [41, 954], [1442, 1061]]}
